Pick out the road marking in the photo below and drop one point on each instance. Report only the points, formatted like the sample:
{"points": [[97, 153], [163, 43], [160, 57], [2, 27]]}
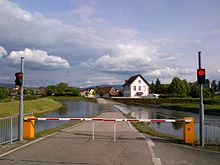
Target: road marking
{"points": [[149, 142], [6, 153]]}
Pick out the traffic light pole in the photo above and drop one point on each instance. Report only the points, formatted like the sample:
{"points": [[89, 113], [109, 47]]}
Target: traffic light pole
{"points": [[201, 108], [21, 107]]}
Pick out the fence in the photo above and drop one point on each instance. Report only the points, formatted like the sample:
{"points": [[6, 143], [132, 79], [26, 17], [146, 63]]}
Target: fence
{"points": [[211, 131], [9, 129]]}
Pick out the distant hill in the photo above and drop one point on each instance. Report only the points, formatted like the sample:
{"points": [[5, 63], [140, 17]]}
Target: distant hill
{"points": [[7, 85]]}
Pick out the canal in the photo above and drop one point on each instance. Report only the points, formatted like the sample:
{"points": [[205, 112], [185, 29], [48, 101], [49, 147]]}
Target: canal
{"points": [[86, 109], [212, 122]]}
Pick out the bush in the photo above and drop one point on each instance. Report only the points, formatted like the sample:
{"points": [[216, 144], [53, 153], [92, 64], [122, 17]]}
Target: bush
{"points": [[3, 93]]}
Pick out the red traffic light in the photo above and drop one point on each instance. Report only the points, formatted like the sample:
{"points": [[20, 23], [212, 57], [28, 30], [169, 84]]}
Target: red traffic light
{"points": [[201, 76], [201, 72], [18, 75]]}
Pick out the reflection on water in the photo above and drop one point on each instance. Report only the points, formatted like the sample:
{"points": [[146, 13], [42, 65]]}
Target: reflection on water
{"points": [[212, 133], [70, 109]]}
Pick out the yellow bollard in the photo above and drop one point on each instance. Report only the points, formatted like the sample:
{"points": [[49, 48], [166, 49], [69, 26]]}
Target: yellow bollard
{"points": [[188, 131], [29, 128]]}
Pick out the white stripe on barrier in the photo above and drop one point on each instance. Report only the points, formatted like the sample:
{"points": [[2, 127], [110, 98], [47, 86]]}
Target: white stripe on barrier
{"points": [[112, 119]]}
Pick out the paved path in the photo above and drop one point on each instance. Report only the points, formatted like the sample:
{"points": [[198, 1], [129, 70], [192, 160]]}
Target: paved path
{"points": [[75, 146]]}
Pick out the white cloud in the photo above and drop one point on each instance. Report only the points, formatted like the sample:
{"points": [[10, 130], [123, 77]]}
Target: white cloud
{"points": [[39, 58], [3, 52], [170, 72], [125, 57]]}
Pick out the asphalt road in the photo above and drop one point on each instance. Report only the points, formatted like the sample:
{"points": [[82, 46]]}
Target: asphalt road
{"points": [[75, 146]]}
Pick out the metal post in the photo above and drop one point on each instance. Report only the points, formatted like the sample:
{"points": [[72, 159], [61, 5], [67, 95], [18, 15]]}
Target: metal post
{"points": [[93, 130], [201, 107], [11, 134], [114, 131], [21, 108]]}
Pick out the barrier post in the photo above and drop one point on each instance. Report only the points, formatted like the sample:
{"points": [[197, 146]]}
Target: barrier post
{"points": [[114, 131], [93, 130], [188, 131], [29, 128]]}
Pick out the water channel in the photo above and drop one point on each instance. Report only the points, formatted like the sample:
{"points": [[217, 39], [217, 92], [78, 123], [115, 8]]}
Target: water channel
{"points": [[212, 122], [87, 109], [69, 109]]}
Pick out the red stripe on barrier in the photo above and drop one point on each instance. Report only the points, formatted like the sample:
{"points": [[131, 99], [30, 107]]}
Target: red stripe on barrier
{"points": [[158, 121], [133, 120], [109, 120], [97, 119], [75, 118], [52, 118]]}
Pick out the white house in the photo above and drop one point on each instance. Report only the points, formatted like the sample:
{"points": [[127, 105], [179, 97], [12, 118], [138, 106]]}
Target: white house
{"points": [[136, 86]]}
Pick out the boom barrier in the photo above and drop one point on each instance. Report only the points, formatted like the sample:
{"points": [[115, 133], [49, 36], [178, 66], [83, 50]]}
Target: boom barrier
{"points": [[188, 131], [113, 119]]}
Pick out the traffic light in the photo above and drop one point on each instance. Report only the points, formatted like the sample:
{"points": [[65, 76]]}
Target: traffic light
{"points": [[19, 78], [201, 76]]}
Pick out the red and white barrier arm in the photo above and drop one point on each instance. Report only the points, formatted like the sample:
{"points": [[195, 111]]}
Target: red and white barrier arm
{"points": [[112, 119]]}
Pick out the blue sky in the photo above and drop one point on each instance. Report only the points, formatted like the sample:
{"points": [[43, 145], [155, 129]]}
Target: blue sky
{"points": [[85, 42]]}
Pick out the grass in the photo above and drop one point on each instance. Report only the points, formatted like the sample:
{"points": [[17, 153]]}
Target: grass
{"points": [[36, 106], [77, 98], [209, 109]]}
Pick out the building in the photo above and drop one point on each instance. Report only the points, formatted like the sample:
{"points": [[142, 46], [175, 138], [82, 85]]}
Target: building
{"points": [[105, 92], [136, 86]]}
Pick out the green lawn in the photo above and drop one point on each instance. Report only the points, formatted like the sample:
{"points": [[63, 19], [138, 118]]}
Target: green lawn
{"points": [[36, 106]]}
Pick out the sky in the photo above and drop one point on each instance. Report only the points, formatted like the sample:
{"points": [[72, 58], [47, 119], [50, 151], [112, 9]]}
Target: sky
{"points": [[94, 42]]}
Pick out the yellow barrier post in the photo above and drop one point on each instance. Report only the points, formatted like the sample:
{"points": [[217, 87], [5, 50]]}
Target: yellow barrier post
{"points": [[29, 128], [188, 131]]}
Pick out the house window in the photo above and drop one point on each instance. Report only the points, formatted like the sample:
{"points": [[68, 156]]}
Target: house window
{"points": [[134, 88], [139, 88], [139, 81], [144, 88]]}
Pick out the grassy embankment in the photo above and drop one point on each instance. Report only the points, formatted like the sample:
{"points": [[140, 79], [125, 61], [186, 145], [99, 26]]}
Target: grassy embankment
{"points": [[37, 106], [212, 106]]}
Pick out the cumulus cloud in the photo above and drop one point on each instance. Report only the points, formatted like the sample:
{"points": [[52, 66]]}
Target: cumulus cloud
{"points": [[3, 52], [125, 57], [170, 72], [38, 58]]}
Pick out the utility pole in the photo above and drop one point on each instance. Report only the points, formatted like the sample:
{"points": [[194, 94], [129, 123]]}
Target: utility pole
{"points": [[21, 106], [201, 105]]}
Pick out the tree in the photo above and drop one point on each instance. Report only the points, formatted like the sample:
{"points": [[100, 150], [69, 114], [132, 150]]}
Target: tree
{"points": [[157, 86], [72, 91], [100, 91], [177, 88], [51, 90], [214, 85], [194, 90], [164, 88], [3, 93], [152, 87], [61, 89], [188, 89], [219, 86]]}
